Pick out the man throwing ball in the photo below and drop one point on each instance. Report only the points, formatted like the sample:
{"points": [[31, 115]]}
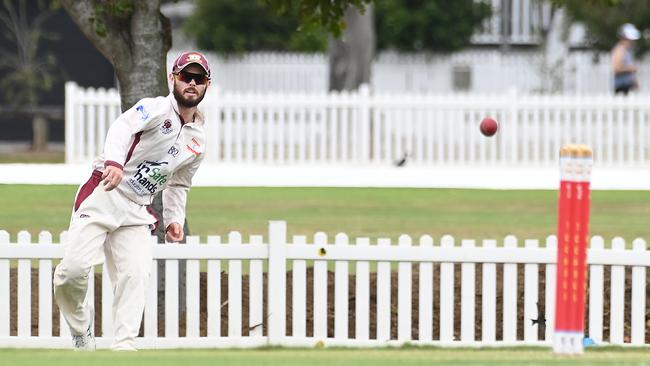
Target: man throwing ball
{"points": [[157, 145]]}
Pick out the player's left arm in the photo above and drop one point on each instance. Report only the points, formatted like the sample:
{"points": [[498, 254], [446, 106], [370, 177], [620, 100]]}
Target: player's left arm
{"points": [[175, 199]]}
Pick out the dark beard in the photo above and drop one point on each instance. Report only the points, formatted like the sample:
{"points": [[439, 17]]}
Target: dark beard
{"points": [[184, 102]]}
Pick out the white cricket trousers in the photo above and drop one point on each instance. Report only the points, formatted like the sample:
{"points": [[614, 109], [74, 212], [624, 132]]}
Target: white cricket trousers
{"points": [[106, 226]]}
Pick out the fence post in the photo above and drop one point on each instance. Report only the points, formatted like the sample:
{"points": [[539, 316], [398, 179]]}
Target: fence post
{"points": [[638, 296], [215, 127], [363, 126], [45, 289], [24, 289], [4, 287], [70, 90], [513, 125], [277, 282]]}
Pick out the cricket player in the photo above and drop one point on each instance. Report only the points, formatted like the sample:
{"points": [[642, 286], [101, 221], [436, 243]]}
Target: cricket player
{"points": [[157, 145]]}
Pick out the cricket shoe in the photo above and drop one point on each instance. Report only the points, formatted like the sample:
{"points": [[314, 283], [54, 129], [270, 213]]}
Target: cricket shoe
{"points": [[84, 342]]}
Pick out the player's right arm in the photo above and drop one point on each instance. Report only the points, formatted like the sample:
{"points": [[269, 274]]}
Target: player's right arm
{"points": [[142, 116]]}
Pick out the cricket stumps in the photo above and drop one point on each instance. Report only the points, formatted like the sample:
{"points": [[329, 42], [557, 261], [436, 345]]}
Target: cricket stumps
{"points": [[573, 236]]}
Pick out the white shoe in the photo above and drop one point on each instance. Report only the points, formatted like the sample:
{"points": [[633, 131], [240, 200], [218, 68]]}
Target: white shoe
{"points": [[123, 349], [84, 342]]}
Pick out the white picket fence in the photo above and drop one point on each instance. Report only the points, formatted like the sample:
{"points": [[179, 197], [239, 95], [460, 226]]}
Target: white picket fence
{"points": [[426, 270], [488, 71], [378, 129], [300, 72]]}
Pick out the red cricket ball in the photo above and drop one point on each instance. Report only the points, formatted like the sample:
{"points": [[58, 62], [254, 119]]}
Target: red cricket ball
{"points": [[489, 126]]}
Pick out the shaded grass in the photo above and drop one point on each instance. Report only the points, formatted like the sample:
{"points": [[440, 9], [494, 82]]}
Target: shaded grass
{"points": [[372, 212]]}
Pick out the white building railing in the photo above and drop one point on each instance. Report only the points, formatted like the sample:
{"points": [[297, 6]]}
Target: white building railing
{"points": [[422, 272], [525, 21], [366, 128]]}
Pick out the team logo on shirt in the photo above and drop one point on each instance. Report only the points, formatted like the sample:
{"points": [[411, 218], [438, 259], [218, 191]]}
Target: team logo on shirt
{"points": [[143, 113], [166, 127], [173, 151], [194, 147], [148, 177]]}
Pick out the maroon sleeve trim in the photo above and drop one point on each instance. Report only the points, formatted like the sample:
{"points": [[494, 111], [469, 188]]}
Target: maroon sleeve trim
{"points": [[112, 163], [136, 140]]}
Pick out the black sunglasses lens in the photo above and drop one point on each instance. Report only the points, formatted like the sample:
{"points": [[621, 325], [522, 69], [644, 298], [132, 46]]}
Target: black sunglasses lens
{"points": [[187, 77]]}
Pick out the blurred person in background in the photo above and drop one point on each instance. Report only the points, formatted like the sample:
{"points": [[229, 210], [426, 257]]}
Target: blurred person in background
{"points": [[623, 65]]}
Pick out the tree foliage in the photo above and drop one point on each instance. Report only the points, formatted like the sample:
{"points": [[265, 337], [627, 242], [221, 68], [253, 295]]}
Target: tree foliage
{"points": [[111, 11], [432, 25], [319, 13], [603, 18], [235, 26], [25, 71]]}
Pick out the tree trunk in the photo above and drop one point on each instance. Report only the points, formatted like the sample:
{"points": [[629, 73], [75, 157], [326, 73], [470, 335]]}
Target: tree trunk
{"points": [[505, 25], [160, 233], [350, 58], [137, 48], [39, 133], [145, 73], [555, 51]]}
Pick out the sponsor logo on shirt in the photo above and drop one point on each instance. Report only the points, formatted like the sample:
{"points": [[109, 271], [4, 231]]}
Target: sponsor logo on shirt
{"points": [[173, 151], [143, 113], [194, 147], [148, 177], [166, 127]]}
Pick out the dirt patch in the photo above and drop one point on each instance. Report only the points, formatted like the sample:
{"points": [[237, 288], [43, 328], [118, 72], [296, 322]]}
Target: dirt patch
{"points": [[521, 322]]}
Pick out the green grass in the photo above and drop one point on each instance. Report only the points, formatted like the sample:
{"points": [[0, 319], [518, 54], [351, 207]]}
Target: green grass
{"points": [[302, 357], [373, 212]]}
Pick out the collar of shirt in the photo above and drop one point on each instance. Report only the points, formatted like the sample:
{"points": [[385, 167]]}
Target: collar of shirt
{"points": [[198, 116]]}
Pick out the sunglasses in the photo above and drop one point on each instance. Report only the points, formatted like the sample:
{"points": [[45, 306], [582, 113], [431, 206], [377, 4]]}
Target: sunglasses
{"points": [[187, 77]]}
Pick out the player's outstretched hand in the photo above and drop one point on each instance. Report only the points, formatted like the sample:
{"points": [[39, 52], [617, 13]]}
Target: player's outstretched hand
{"points": [[174, 232], [112, 177]]}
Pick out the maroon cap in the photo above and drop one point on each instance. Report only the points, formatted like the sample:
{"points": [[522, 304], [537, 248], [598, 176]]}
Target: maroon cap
{"points": [[188, 58]]}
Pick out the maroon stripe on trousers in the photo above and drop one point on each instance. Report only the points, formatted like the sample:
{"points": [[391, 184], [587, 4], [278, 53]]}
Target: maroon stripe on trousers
{"points": [[88, 188], [136, 140]]}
